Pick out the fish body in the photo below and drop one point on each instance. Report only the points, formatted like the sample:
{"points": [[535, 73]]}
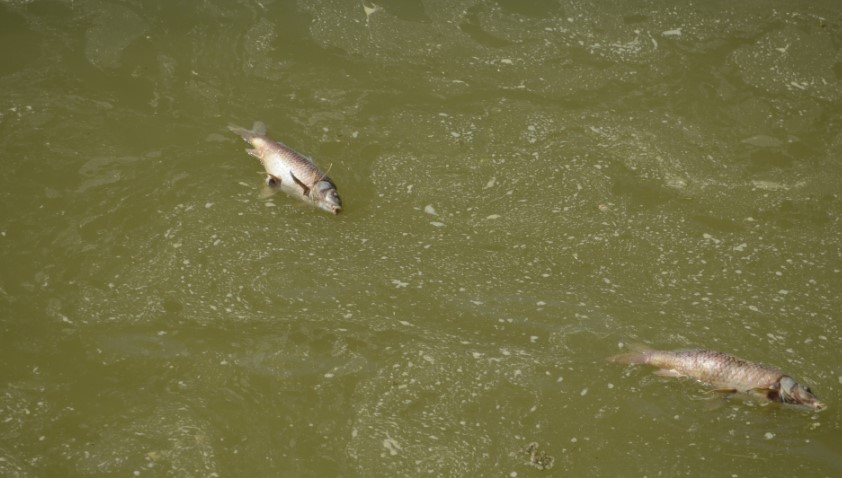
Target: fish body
{"points": [[727, 374], [290, 171]]}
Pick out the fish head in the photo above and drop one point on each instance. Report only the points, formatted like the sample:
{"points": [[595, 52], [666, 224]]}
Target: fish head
{"points": [[327, 197], [792, 392]]}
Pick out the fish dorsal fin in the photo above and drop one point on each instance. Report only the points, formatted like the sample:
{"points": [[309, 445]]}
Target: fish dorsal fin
{"points": [[304, 187], [259, 128]]}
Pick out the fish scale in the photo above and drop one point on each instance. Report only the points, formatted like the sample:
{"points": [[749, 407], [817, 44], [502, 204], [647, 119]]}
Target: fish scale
{"points": [[716, 368], [290, 171], [281, 161], [727, 373]]}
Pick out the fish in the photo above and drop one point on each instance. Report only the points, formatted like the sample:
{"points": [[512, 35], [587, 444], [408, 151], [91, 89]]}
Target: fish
{"points": [[727, 374], [290, 171]]}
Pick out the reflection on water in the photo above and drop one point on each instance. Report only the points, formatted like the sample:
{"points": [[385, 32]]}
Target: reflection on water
{"points": [[527, 186]]}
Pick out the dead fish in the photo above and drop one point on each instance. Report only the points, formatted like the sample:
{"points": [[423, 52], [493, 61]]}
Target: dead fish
{"points": [[289, 171], [727, 373]]}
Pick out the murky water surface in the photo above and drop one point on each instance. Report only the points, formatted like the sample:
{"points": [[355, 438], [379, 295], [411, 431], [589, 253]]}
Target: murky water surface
{"points": [[530, 187]]}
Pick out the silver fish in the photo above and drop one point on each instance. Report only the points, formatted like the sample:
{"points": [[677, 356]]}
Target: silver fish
{"points": [[290, 171], [727, 373]]}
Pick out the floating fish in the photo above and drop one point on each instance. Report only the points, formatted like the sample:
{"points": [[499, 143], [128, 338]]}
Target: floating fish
{"points": [[727, 373], [290, 171]]}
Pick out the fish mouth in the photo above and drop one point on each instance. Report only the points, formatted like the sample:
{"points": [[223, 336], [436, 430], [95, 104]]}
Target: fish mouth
{"points": [[335, 209], [811, 403], [335, 206]]}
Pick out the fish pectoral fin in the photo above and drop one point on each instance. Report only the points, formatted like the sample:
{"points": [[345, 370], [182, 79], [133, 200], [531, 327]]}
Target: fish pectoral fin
{"points": [[769, 393], [273, 181], [254, 152], [305, 189], [270, 187], [669, 373]]}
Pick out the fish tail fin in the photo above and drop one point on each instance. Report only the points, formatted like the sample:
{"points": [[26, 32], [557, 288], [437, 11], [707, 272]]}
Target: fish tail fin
{"points": [[240, 131], [631, 358], [259, 129], [639, 353]]}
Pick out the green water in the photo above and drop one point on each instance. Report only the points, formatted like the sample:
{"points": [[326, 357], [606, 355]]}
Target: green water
{"points": [[528, 187]]}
